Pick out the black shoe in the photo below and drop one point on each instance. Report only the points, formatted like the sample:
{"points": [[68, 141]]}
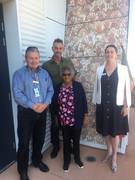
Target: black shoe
{"points": [[65, 167], [24, 176], [79, 163], [43, 167], [54, 153]]}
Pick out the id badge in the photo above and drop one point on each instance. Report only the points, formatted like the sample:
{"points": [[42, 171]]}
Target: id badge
{"points": [[36, 91], [35, 82], [104, 74]]}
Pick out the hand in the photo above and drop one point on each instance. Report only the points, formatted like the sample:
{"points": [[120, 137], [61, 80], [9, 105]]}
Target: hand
{"points": [[124, 111], [44, 106], [35, 107], [85, 121], [132, 85], [39, 108]]}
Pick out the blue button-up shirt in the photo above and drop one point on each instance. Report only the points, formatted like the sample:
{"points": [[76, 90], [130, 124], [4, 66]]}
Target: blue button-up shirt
{"points": [[25, 81]]}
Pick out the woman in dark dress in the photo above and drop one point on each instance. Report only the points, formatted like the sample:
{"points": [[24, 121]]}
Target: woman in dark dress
{"points": [[112, 98], [72, 113]]}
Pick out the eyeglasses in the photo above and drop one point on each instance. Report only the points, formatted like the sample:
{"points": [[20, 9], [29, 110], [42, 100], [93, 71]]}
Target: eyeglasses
{"points": [[67, 74]]}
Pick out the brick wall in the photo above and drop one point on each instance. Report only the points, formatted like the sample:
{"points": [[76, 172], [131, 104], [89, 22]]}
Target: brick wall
{"points": [[90, 26]]}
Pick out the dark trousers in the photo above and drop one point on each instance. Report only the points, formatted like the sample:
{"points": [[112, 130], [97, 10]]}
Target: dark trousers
{"points": [[55, 127], [71, 133], [30, 124]]}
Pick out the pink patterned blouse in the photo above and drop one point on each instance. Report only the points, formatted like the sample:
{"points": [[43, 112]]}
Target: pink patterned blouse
{"points": [[66, 106]]}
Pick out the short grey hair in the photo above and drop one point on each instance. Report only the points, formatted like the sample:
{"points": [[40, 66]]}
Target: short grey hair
{"points": [[31, 49]]}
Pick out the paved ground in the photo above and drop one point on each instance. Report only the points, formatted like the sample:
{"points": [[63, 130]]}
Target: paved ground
{"points": [[91, 171]]}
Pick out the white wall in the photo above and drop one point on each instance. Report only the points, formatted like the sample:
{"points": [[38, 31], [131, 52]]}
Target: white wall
{"points": [[13, 45], [25, 23], [32, 25], [54, 9]]}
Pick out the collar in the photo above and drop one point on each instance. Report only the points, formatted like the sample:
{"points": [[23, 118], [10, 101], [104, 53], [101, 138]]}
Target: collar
{"points": [[53, 61], [36, 70]]}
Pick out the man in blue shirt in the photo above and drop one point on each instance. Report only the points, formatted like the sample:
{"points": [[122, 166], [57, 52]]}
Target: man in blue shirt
{"points": [[33, 91]]}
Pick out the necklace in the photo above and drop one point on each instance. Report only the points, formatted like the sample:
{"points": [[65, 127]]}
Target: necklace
{"points": [[110, 69]]}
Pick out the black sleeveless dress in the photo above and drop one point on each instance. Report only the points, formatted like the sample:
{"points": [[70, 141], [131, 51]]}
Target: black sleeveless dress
{"points": [[109, 120]]}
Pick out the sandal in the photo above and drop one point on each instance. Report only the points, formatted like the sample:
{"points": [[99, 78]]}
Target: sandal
{"points": [[114, 168]]}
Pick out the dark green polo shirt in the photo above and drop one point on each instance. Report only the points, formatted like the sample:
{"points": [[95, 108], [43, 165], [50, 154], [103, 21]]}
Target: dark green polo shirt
{"points": [[55, 70]]}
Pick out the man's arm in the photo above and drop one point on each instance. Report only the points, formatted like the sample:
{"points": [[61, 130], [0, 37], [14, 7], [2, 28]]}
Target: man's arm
{"points": [[50, 91], [18, 91]]}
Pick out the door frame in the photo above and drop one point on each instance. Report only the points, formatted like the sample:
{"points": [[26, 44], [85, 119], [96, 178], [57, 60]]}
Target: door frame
{"points": [[9, 94]]}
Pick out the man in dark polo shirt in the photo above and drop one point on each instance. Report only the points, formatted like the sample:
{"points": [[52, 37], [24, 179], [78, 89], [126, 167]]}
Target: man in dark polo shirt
{"points": [[54, 67]]}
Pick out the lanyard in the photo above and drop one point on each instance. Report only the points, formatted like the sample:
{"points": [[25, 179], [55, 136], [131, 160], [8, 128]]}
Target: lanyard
{"points": [[36, 85], [35, 78]]}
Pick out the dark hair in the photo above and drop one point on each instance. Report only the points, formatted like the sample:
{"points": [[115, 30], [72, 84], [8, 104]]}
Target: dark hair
{"points": [[111, 46], [31, 49], [58, 41]]}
